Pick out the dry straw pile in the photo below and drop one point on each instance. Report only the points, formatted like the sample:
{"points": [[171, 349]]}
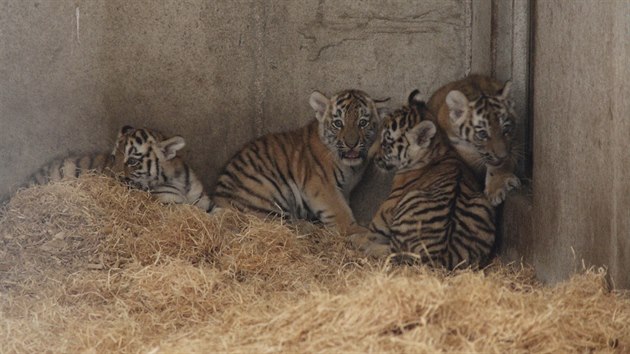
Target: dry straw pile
{"points": [[89, 266]]}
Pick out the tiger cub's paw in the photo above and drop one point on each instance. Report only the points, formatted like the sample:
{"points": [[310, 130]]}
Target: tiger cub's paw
{"points": [[373, 245], [499, 185], [217, 211]]}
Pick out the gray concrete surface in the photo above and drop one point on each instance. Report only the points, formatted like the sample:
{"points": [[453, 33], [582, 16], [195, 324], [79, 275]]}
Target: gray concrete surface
{"points": [[51, 85], [580, 200]]}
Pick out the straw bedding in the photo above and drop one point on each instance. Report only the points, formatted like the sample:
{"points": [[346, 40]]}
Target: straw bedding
{"points": [[90, 266]]}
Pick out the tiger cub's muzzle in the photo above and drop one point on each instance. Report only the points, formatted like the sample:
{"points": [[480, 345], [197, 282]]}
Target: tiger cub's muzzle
{"points": [[352, 155], [495, 160]]}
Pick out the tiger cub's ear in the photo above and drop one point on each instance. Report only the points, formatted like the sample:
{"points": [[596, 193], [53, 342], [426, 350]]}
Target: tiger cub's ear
{"points": [[457, 105], [504, 93], [170, 146], [122, 132], [126, 129], [414, 98], [423, 133], [383, 111], [320, 103]]}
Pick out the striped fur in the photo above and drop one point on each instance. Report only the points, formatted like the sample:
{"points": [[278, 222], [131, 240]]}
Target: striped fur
{"points": [[144, 159], [150, 162], [477, 116], [436, 210], [307, 173], [72, 167]]}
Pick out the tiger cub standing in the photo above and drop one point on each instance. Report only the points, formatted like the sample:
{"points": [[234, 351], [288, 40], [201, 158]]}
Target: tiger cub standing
{"points": [[144, 159], [436, 210], [479, 121], [307, 173]]}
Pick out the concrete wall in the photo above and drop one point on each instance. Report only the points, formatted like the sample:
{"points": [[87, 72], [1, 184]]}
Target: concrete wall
{"points": [[51, 85], [580, 203], [216, 72]]}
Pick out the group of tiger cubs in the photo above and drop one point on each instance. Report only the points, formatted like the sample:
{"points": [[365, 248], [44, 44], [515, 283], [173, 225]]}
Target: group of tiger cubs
{"points": [[440, 151]]}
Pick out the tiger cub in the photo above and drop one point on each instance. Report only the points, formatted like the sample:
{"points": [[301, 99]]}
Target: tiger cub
{"points": [[436, 210], [307, 173], [150, 162], [144, 159], [479, 121]]}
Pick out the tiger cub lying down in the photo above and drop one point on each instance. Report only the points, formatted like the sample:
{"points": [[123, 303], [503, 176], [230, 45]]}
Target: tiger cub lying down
{"points": [[144, 159], [307, 173], [436, 210]]}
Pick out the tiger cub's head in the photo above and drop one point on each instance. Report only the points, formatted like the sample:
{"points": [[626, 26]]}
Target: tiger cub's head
{"points": [[487, 121], [141, 154], [348, 123], [408, 137]]}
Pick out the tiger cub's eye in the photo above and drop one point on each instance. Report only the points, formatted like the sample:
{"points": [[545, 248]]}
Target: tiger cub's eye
{"points": [[133, 162], [363, 123], [481, 135], [337, 123]]}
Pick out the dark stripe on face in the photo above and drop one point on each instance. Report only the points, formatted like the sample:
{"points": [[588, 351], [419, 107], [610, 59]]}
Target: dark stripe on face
{"points": [[403, 122], [187, 178], [480, 103]]}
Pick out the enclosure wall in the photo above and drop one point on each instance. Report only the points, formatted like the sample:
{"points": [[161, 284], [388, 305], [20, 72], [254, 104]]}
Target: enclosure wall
{"points": [[580, 207], [52, 81], [219, 73]]}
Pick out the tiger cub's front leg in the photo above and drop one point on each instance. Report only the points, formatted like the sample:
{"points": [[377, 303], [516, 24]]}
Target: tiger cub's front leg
{"points": [[373, 243], [499, 181], [333, 210]]}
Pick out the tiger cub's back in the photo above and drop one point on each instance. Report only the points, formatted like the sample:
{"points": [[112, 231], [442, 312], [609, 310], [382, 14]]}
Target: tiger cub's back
{"points": [[436, 209], [444, 218], [72, 167]]}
